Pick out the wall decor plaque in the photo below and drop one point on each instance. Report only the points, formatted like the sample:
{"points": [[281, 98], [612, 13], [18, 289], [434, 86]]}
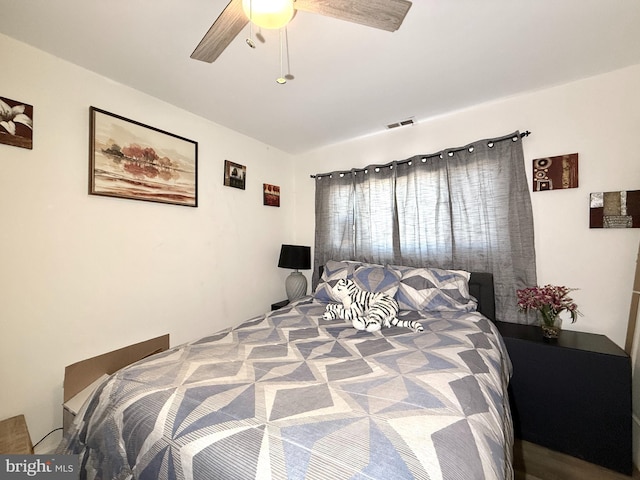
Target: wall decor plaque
{"points": [[614, 209], [553, 173], [16, 123], [271, 195], [235, 175]]}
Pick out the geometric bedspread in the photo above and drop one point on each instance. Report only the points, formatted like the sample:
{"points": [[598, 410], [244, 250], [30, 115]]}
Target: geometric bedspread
{"points": [[289, 395]]}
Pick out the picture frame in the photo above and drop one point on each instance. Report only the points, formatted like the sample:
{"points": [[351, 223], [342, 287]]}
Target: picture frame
{"points": [[132, 160], [555, 173], [235, 175], [16, 123], [619, 209], [271, 195]]}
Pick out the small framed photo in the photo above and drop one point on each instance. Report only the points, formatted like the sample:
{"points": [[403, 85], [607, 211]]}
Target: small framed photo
{"points": [[235, 175], [16, 123], [271, 195], [129, 159]]}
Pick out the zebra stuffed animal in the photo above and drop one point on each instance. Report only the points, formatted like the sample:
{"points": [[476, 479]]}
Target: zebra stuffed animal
{"points": [[366, 310]]}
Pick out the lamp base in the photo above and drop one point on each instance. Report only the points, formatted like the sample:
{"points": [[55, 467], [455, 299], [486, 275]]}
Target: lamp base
{"points": [[295, 285]]}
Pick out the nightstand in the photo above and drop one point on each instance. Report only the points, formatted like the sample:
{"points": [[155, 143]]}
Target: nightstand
{"points": [[14, 436], [279, 305], [572, 395]]}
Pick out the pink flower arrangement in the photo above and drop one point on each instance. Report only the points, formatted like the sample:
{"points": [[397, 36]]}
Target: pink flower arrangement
{"points": [[550, 300]]}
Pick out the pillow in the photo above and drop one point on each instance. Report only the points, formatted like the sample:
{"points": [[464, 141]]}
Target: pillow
{"points": [[370, 277], [333, 271], [434, 290], [376, 278]]}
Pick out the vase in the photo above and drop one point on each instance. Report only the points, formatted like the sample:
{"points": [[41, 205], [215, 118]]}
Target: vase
{"points": [[551, 325]]}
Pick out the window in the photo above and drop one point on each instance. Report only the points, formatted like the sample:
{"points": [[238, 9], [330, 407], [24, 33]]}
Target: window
{"points": [[466, 208]]}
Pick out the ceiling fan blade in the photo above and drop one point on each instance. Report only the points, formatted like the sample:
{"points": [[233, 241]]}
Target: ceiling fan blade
{"points": [[384, 14], [226, 27]]}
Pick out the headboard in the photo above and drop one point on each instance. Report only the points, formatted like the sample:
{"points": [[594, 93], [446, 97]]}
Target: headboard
{"points": [[481, 287]]}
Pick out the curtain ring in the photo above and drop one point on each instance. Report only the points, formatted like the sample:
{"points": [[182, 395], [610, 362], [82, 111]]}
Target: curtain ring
{"points": [[471, 149], [490, 144], [450, 154]]}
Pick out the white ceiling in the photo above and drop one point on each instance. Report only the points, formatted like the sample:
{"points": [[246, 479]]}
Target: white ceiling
{"points": [[350, 80]]}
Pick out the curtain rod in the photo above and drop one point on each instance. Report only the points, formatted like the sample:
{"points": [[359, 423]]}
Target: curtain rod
{"points": [[524, 134]]}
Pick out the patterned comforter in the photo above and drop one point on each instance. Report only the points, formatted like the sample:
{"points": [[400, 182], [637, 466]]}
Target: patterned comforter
{"points": [[289, 395]]}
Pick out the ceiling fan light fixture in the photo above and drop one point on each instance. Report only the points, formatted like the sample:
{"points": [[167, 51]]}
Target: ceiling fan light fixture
{"points": [[271, 14]]}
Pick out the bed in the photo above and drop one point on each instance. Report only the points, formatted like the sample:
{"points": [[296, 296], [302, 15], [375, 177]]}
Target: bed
{"points": [[289, 395]]}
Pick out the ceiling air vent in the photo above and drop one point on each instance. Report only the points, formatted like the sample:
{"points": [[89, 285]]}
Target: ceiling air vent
{"points": [[403, 123]]}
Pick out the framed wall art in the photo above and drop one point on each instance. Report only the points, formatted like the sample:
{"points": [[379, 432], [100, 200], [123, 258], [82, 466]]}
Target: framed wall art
{"points": [[235, 175], [555, 173], [129, 159], [614, 209], [271, 195], [16, 123]]}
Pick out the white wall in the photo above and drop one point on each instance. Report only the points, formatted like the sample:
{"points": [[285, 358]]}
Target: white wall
{"points": [[598, 118], [81, 275]]}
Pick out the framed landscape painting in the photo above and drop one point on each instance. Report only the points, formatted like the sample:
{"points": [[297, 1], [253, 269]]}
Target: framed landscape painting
{"points": [[129, 159]]}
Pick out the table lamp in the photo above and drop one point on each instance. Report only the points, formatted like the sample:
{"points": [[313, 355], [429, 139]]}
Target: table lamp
{"points": [[296, 257]]}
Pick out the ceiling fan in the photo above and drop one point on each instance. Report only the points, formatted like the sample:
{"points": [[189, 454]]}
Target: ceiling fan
{"points": [[383, 14]]}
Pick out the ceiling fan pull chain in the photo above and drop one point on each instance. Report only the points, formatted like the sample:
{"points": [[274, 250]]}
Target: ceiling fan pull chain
{"points": [[288, 76], [249, 40], [281, 79]]}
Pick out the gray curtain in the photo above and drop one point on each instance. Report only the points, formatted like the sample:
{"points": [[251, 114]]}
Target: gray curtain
{"points": [[464, 208]]}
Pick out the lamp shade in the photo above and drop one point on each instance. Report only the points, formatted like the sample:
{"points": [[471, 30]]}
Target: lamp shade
{"points": [[296, 257]]}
